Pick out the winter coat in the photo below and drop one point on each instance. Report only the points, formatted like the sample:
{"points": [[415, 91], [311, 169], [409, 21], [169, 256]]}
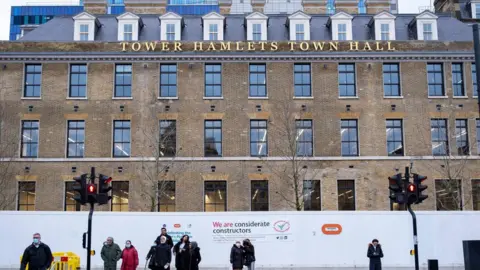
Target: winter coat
{"points": [[129, 259], [37, 258], [249, 254], [168, 242], [375, 255], [151, 257], [110, 255], [163, 255], [236, 257], [182, 259], [194, 258]]}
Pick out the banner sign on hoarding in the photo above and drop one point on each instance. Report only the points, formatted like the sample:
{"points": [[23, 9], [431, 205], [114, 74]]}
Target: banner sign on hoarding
{"points": [[264, 231]]}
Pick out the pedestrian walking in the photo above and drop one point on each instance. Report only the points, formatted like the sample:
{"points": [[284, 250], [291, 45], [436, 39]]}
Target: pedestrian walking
{"points": [[249, 250], [110, 253], [237, 256], [375, 254], [129, 257], [163, 255], [151, 256], [37, 256], [169, 238], [194, 256], [181, 251]]}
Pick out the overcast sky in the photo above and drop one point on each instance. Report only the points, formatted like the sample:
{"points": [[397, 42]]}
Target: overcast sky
{"points": [[405, 6]]}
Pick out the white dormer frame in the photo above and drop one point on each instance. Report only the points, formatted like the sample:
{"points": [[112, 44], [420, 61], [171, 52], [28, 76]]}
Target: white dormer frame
{"points": [[84, 23], [211, 19], [426, 18], [384, 17], [257, 18], [338, 19], [473, 8], [128, 18], [301, 19], [170, 18]]}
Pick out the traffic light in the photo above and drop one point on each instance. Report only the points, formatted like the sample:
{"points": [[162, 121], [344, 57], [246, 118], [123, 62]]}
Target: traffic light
{"points": [[84, 240], [103, 189], [396, 186], [91, 193], [417, 180], [80, 186], [411, 193]]}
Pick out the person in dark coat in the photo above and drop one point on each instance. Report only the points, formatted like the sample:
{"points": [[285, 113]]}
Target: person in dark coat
{"points": [[163, 255], [111, 254], [375, 254], [194, 256], [237, 256], [181, 251], [37, 256], [151, 256], [169, 238], [249, 250]]}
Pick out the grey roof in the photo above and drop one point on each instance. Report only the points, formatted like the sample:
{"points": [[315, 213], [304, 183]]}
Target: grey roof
{"points": [[61, 28]]}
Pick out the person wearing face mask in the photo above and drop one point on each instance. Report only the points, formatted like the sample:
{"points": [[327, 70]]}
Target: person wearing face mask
{"points": [[163, 255], [129, 257], [237, 255], [375, 254], [110, 253], [37, 256]]}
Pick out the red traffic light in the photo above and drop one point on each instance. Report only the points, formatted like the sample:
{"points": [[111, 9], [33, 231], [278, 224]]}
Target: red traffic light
{"points": [[411, 188], [108, 180], [91, 188]]}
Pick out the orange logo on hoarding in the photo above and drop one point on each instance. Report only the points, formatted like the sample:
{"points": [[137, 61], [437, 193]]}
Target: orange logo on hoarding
{"points": [[177, 225], [331, 229]]}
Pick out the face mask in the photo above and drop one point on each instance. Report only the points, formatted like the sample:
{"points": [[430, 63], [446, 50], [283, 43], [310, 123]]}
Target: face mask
{"points": [[128, 245], [35, 240], [237, 244]]}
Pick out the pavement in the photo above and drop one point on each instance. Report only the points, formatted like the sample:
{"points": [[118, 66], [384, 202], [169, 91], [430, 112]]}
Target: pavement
{"points": [[309, 268]]}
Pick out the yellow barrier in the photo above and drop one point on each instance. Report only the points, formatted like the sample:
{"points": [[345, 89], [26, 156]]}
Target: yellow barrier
{"points": [[63, 261]]}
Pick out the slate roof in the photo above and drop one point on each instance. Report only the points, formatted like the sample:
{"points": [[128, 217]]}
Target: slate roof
{"points": [[60, 29]]}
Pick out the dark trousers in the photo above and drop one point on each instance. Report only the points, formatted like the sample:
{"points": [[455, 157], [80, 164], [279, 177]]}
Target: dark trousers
{"points": [[375, 266]]}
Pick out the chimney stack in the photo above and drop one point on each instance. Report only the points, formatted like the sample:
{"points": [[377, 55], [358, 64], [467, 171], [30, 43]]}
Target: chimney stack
{"points": [[258, 5], [95, 6], [314, 6], [225, 6], [146, 6]]}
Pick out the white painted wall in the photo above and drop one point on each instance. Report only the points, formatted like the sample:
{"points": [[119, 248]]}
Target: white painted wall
{"points": [[440, 235]]}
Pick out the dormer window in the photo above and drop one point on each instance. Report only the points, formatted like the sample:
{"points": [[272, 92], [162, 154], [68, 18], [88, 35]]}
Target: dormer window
{"points": [[84, 32], [171, 26], [383, 25], [85, 26], [213, 24], [426, 25], [341, 26], [475, 9], [129, 26], [256, 26], [299, 26]]}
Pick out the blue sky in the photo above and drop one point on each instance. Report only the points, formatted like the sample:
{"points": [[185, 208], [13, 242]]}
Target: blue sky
{"points": [[405, 6]]}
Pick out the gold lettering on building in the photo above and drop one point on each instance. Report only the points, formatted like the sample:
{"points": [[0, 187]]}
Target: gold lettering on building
{"points": [[239, 46]]}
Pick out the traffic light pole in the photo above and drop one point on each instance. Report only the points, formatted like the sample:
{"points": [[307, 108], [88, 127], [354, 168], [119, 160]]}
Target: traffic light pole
{"points": [[90, 215], [415, 242], [89, 239]]}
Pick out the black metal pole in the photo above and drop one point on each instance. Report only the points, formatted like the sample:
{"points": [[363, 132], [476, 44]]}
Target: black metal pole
{"points": [[476, 46], [89, 239], [415, 242]]}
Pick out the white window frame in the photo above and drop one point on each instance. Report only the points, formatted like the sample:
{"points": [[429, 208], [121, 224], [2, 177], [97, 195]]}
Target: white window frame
{"points": [[169, 31], [82, 33], [84, 18], [474, 4], [125, 32], [341, 18], [423, 18], [257, 18], [209, 20], [126, 19], [299, 18], [382, 18], [341, 32], [170, 18]]}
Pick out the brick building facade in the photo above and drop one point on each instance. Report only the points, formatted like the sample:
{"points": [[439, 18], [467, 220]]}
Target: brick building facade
{"points": [[227, 130]]}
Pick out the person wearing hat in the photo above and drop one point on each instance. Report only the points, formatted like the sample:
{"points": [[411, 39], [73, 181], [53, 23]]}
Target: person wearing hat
{"points": [[375, 254]]}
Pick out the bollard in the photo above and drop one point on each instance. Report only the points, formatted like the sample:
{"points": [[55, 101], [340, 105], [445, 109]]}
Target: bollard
{"points": [[432, 264]]}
